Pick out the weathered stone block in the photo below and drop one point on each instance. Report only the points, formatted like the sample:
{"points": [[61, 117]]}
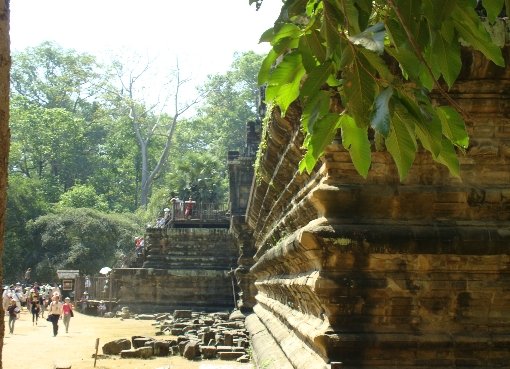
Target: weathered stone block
{"points": [[208, 352], [115, 347], [230, 355], [182, 314], [191, 350]]}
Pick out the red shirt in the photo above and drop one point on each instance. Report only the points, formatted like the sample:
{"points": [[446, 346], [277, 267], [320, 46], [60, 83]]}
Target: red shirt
{"points": [[67, 308]]}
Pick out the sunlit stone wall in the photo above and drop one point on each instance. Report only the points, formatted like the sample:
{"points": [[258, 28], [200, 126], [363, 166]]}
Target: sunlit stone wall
{"points": [[378, 273]]}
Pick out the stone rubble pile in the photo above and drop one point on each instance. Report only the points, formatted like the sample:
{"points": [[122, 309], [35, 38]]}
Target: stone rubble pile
{"points": [[197, 335]]}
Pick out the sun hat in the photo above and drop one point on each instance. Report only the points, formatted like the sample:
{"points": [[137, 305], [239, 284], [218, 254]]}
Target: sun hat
{"points": [[67, 299]]}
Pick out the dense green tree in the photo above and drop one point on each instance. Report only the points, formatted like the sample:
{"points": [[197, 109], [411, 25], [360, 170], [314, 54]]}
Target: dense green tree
{"points": [[230, 103], [82, 196], [366, 67], [26, 202], [81, 238]]}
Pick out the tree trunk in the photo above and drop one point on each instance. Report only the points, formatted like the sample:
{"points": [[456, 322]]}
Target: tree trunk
{"points": [[5, 64]]}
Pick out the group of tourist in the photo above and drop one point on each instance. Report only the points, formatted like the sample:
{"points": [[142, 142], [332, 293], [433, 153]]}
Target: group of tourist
{"points": [[37, 299], [178, 209]]}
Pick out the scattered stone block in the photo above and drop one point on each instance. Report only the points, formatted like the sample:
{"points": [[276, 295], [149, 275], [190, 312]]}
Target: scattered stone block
{"points": [[115, 347], [145, 352], [191, 350], [208, 352], [224, 348], [182, 345], [161, 348], [129, 354], [228, 339], [176, 331], [139, 341], [208, 336], [230, 355], [183, 314], [243, 359]]}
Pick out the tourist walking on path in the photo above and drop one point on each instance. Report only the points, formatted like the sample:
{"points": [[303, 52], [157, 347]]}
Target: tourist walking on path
{"points": [[54, 312], [35, 307], [13, 311], [67, 309]]}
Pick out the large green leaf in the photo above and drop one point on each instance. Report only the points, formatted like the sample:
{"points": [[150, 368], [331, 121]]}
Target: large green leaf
{"points": [[351, 15], [330, 22], [429, 133], [467, 23], [314, 109], [284, 82], [381, 119], [359, 89], [288, 30], [311, 48], [400, 143], [493, 8], [316, 79], [410, 12], [448, 157], [323, 134], [265, 69], [379, 65], [445, 57], [355, 140], [453, 126], [437, 11]]}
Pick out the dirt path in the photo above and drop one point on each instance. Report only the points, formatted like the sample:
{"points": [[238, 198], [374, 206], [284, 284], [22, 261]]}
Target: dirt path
{"points": [[34, 347]]}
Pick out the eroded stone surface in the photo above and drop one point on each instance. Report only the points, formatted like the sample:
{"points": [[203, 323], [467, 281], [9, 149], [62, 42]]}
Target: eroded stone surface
{"points": [[377, 273]]}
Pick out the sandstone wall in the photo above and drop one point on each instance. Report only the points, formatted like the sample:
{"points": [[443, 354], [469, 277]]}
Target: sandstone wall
{"points": [[377, 273], [184, 268]]}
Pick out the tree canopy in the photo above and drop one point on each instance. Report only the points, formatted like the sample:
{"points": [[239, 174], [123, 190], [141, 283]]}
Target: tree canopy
{"points": [[364, 66], [76, 144]]}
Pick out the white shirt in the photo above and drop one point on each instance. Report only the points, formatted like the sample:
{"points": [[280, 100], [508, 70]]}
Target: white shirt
{"points": [[55, 307]]}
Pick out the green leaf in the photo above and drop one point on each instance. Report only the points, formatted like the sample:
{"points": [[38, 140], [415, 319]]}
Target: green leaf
{"points": [[350, 13], [267, 36], [378, 64], [359, 89], [329, 30], [437, 11], [288, 30], [410, 12], [371, 39], [429, 133], [445, 57], [493, 8], [381, 119], [323, 134], [453, 126], [316, 79], [311, 48], [468, 24], [314, 109], [265, 68], [448, 157], [355, 140], [285, 81], [400, 144]]}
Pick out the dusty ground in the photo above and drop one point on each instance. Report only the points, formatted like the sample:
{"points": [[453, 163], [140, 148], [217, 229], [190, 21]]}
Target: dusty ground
{"points": [[35, 347]]}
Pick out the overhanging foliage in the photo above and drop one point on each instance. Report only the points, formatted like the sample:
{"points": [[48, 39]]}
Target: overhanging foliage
{"points": [[345, 50]]}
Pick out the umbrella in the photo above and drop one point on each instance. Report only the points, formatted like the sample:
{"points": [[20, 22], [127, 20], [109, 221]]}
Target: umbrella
{"points": [[105, 270]]}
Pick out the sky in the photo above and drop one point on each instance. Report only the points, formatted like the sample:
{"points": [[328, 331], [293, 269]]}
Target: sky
{"points": [[202, 34]]}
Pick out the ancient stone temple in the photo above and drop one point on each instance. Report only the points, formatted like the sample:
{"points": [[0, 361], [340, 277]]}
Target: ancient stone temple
{"points": [[187, 265], [379, 273]]}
